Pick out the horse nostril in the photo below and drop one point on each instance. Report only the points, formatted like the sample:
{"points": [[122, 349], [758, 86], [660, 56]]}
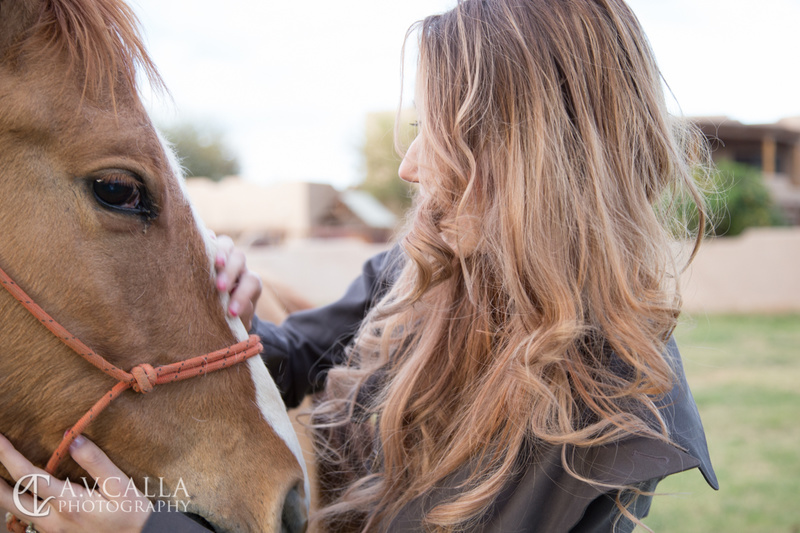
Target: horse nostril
{"points": [[294, 518], [202, 521]]}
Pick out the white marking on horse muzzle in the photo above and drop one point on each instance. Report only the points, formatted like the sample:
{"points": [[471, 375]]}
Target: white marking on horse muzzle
{"points": [[268, 398]]}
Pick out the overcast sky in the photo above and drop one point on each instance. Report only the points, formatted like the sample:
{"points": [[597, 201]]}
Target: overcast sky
{"points": [[289, 81]]}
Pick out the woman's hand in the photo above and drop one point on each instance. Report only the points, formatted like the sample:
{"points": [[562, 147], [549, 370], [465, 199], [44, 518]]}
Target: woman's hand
{"points": [[113, 504], [233, 276]]}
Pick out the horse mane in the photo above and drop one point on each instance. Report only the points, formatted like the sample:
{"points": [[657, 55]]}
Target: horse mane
{"points": [[101, 40]]}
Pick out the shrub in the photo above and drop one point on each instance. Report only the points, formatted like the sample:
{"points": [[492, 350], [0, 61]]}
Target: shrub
{"points": [[740, 200]]}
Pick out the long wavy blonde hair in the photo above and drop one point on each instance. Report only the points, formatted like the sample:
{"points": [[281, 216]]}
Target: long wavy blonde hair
{"points": [[540, 244]]}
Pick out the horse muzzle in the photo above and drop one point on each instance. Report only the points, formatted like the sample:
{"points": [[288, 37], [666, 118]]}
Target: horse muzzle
{"points": [[294, 516]]}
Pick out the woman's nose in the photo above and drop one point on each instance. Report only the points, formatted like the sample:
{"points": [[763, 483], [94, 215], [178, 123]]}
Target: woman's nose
{"points": [[409, 167]]}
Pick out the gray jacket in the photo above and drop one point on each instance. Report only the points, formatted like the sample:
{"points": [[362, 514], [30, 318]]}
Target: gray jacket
{"points": [[543, 497]]}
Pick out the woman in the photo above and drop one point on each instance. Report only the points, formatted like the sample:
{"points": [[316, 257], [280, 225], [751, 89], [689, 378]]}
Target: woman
{"points": [[510, 367], [518, 370]]}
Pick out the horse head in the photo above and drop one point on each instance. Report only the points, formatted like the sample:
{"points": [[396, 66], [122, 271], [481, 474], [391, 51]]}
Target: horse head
{"points": [[97, 229]]}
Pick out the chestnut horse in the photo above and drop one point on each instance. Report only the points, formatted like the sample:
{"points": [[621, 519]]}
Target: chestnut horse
{"points": [[96, 227]]}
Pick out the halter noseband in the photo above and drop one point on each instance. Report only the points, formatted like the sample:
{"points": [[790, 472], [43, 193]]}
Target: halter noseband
{"points": [[142, 378]]}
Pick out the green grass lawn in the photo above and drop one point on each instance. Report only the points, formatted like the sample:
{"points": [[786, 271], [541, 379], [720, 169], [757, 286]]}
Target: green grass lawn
{"points": [[745, 375]]}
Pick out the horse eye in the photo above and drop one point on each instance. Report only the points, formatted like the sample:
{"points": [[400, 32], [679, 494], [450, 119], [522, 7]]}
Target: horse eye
{"points": [[120, 191], [117, 193]]}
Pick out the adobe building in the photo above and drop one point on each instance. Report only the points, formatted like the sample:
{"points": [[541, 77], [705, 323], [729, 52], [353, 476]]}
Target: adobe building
{"points": [[772, 148], [259, 214]]}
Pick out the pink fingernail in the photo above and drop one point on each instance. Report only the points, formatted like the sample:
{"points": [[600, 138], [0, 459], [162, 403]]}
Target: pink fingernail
{"points": [[233, 309], [222, 282], [79, 441]]}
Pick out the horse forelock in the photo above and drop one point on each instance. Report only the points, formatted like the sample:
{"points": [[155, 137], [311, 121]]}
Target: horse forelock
{"points": [[101, 40]]}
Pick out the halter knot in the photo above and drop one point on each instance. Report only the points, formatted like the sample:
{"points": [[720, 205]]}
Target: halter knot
{"points": [[145, 376]]}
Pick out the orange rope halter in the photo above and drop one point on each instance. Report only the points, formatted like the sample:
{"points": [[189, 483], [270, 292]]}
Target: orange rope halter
{"points": [[142, 378]]}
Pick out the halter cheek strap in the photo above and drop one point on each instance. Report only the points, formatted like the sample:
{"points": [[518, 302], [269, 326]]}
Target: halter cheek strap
{"points": [[141, 378]]}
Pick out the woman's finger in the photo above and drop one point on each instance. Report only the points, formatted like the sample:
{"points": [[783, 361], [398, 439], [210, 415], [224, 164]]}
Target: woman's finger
{"points": [[29, 509], [112, 482], [224, 248], [21, 505], [228, 277], [245, 296], [23, 471], [247, 291]]}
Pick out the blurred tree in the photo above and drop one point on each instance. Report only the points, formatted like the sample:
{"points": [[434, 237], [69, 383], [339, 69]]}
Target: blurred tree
{"points": [[202, 151], [380, 160], [741, 200], [736, 199]]}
